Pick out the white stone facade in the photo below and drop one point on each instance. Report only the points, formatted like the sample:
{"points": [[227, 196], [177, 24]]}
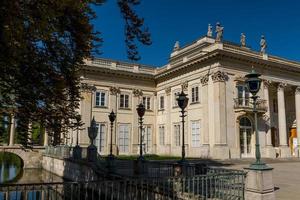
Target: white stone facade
{"points": [[219, 122]]}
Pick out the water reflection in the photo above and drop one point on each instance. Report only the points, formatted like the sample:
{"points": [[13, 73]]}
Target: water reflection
{"points": [[10, 167]]}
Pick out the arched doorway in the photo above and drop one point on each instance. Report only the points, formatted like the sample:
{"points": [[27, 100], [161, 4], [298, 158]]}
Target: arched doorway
{"points": [[245, 137]]}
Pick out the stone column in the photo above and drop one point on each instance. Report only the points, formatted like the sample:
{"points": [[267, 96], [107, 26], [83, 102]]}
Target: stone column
{"points": [[220, 149], [45, 138], [168, 126], [270, 151], [12, 130], [135, 139], [284, 149], [297, 102], [205, 119]]}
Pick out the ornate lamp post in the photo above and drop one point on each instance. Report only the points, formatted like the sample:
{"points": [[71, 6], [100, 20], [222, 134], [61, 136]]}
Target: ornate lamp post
{"points": [[112, 116], [141, 112], [182, 101], [92, 149], [253, 83]]}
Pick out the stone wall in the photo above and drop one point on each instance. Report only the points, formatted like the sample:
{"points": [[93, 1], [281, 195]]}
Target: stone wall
{"points": [[70, 169]]}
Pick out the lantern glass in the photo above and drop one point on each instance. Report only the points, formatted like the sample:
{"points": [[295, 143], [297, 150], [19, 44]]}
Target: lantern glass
{"points": [[112, 116], [141, 110], [182, 100], [253, 82]]}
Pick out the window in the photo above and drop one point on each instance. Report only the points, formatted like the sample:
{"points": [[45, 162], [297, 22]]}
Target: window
{"points": [[146, 139], [243, 95], [175, 98], [162, 135], [195, 94], [101, 139], [100, 98], [161, 102], [146, 102], [124, 101], [124, 138], [195, 126], [177, 134]]}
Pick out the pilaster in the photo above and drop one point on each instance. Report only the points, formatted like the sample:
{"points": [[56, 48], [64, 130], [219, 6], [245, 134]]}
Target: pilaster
{"points": [[114, 93], [205, 120], [220, 149]]}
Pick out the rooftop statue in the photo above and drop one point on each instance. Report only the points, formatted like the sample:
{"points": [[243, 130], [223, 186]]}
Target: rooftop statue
{"points": [[176, 46], [219, 31], [263, 44], [209, 30], [243, 40]]}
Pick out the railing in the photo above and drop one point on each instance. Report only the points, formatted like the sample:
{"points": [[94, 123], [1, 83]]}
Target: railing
{"points": [[247, 104], [61, 151], [212, 186]]}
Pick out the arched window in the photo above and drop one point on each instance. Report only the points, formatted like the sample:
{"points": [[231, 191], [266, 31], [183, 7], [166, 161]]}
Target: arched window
{"points": [[245, 122]]}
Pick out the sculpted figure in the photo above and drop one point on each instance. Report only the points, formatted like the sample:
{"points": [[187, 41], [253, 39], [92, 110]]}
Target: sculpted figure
{"points": [[209, 30], [243, 40], [219, 31], [176, 46], [263, 44]]}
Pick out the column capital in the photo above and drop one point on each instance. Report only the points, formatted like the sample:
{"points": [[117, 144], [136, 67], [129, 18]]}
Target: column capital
{"points": [[267, 83], [86, 87], [184, 86], [219, 76], [137, 92], [168, 90], [204, 79], [297, 90], [281, 86], [114, 90]]}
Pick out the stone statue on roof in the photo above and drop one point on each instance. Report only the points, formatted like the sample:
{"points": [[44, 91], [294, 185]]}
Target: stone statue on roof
{"points": [[243, 40], [219, 31], [176, 46], [209, 31], [263, 45]]}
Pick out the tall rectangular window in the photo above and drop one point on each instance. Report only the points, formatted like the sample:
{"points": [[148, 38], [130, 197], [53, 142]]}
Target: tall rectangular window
{"points": [[124, 140], [177, 134], [195, 126], [146, 139], [124, 101], [161, 102], [101, 139], [146, 102], [195, 94], [162, 135], [100, 98]]}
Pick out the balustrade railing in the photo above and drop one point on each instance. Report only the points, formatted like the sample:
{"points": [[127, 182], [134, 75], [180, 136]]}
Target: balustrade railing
{"points": [[61, 151], [211, 186], [247, 103]]}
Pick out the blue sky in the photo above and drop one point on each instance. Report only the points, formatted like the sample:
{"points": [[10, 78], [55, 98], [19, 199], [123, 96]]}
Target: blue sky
{"points": [[187, 20]]}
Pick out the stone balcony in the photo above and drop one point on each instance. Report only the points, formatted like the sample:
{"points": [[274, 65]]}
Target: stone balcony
{"points": [[246, 105]]}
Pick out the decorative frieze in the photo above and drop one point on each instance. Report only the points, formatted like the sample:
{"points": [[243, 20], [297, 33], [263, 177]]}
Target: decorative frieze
{"points": [[184, 86], [168, 90], [204, 80], [114, 90], [85, 87], [137, 93], [219, 76]]}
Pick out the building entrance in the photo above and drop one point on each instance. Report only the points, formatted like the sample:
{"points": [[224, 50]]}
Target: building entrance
{"points": [[245, 137]]}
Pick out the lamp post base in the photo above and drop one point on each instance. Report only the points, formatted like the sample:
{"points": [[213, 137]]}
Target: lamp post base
{"points": [[259, 166]]}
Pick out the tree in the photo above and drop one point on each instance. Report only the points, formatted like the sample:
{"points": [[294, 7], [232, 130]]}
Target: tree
{"points": [[42, 47]]}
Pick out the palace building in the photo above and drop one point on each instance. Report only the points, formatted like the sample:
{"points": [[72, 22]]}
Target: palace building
{"points": [[219, 122]]}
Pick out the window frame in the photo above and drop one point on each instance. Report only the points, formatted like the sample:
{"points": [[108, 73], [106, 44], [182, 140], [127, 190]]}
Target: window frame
{"points": [[161, 105], [128, 126], [124, 101], [175, 96], [99, 139], [162, 135], [195, 99], [177, 134], [100, 92], [148, 100], [195, 137]]}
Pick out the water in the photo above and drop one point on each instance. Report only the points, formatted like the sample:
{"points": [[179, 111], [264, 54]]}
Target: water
{"points": [[12, 172]]}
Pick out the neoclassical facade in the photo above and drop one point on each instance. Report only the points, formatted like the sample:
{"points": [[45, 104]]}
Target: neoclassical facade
{"points": [[219, 122]]}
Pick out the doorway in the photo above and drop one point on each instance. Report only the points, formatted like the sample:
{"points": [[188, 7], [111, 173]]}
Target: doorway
{"points": [[245, 137]]}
